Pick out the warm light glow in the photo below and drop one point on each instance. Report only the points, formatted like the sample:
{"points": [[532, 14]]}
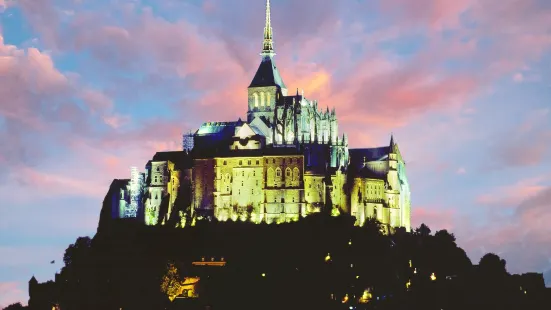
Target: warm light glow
{"points": [[350, 242], [408, 284], [366, 296], [432, 277], [328, 257], [415, 270], [345, 299], [263, 275], [410, 264]]}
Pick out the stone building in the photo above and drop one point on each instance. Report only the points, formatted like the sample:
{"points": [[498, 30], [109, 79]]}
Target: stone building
{"points": [[287, 160]]}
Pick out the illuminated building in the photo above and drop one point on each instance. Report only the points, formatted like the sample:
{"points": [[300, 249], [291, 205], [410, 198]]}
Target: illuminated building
{"points": [[285, 161]]}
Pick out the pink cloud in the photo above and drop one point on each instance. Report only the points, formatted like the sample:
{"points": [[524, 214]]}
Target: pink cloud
{"points": [[527, 144], [513, 194], [436, 14], [435, 218], [11, 292]]}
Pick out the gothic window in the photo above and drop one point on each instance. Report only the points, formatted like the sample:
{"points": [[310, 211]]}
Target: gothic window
{"points": [[278, 172], [240, 163], [267, 99], [296, 174], [258, 162], [158, 168], [288, 173], [270, 177], [255, 95], [261, 99], [249, 162]]}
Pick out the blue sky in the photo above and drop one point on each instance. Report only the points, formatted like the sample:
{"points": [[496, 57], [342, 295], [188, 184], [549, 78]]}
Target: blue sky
{"points": [[90, 88]]}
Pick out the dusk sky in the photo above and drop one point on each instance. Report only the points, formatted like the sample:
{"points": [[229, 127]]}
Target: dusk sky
{"points": [[89, 88]]}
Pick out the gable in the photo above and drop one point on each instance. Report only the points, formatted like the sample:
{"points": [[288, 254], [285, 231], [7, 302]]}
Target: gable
{"points": [[245, 132]]}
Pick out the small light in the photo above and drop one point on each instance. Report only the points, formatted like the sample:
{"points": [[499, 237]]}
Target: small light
{"points": [[357, 277], [263, 275], [350, 242], [432, 277], [328, 257]]}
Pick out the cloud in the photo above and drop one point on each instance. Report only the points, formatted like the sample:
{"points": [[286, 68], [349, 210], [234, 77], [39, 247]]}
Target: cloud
{"points": [[11, 292], [461, 170], [145, 75], [521, 238], [514, 194], [435, 218], [526, 145]]}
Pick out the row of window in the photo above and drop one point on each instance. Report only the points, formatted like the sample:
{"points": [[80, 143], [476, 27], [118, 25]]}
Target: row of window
{"points": [[249, 162], [261, 100]]}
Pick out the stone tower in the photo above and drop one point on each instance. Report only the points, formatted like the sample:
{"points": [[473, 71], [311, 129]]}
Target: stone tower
{"points": [[267, 85]]}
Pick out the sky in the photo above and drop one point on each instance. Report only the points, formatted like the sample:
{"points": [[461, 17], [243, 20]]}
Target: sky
{"points": [[89, 88]]}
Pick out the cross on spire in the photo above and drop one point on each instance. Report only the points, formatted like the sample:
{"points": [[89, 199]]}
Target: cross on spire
{"points": [[268, 45]]}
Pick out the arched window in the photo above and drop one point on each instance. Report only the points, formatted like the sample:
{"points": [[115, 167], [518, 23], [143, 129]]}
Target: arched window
{"points": [[296, 174], [278, 172], [288, 173], [255, 96], [267, 99], [261, 99], [270, 176]]}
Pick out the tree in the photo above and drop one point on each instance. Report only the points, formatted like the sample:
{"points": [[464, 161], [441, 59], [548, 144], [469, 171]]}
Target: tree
{"points": [[492, 264], [15, 306], [77, 252], [445, 237], [423, 230], [373, 226]]}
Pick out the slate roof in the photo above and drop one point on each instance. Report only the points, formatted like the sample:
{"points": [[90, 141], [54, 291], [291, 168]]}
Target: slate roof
{"points": [[218, 128], [370, 154], [267, 74], [181, 159]]}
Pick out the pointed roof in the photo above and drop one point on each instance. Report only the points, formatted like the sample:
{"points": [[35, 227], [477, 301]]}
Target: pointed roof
{"points": [[245, 132], [267, 73]]}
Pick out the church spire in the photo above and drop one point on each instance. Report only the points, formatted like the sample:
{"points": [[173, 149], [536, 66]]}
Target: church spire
{"points": [[392, 144], [268, 46]]}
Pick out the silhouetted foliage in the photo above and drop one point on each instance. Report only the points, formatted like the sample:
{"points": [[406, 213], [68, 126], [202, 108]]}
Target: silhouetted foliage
{"points": [[423, 231], [311, 264], [15, 306]]}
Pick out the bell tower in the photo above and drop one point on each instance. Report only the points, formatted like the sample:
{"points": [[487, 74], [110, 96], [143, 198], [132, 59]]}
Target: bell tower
{"points": [[267, 85]]}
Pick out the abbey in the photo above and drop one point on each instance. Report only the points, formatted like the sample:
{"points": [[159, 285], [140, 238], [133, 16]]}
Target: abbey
{"points": [[285, 161]]}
